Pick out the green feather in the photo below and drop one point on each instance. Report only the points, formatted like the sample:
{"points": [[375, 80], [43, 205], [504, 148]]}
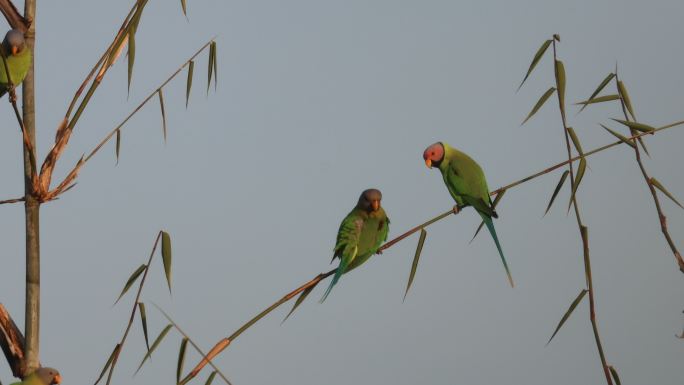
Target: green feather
{"points": [[18, 68]]}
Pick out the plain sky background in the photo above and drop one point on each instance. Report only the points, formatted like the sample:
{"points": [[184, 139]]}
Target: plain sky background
{"points": [[318, 100]]}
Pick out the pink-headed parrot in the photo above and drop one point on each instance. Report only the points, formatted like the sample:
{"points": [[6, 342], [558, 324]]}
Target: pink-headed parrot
{"points": [[18, 58], [42, 376], [361, 233], [467, 184]]}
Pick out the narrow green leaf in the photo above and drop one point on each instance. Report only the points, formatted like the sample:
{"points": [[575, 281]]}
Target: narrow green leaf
{"points": [[118, 144], [600, 99], [156, 343], [191, 68], [600, 88], [535, 60], [496, 202], [560, 83], [184, 6], [575, 140], [181, 359], [573, 305], [131, 57], [578, 178], [557, 190], [213, 44], [210, 68], [299, 301], [636, 126], [614, 373], [115, 352], [210, 379], [625, 98], [163, 112], [143, 319], [416, 257], [617, 135], [166, 256], [540, 103], [662, 189], [131, 280]]}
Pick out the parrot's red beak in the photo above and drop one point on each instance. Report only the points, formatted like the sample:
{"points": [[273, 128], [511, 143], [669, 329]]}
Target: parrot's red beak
{"points": [[15, 49], [428, 163], [58, 379], [375, 205]]}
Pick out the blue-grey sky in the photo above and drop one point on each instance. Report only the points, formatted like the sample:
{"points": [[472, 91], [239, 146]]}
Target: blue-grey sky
{"points": [[318, 100]]}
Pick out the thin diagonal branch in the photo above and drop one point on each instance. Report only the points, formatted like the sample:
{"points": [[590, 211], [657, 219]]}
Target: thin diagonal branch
{"points": [[225, 342], [13, 17], [15, 200]]}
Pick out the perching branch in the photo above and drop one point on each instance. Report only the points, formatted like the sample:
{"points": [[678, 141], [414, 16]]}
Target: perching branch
{"points": [[225, 342], [13, 17], [12, 343]]}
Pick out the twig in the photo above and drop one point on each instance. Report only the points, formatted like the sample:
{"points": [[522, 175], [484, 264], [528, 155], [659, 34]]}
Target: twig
{"points": [[15, 200], [133, 311], [12, 343], [194, 345], [225, 342], [14, 18]]}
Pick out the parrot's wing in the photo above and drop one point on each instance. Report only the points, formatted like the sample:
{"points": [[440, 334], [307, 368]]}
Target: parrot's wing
{"points": [[481, 206], [346, 247]]}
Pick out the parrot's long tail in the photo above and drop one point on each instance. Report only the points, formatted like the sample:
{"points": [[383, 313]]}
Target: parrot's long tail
{"points": [[490, 226], [340, 269]]}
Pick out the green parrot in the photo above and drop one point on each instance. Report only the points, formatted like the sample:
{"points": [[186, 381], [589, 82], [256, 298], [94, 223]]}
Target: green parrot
{"points": [[18, 59], [361, 233], [42, 376], [467, 184]]}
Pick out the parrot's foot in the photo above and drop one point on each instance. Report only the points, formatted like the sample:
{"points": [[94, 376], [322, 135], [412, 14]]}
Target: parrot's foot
{"points": [[457, 209], [379, 252], [12, 95]]}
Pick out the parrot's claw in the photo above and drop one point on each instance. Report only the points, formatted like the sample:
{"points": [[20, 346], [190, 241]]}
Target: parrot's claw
{"points": [[12, 95], [379, 252], [457, 209]]}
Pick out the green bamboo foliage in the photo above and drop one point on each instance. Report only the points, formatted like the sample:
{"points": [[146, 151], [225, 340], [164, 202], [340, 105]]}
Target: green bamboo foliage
{"points": [[166, 257], [535, 60], [181, 359], [598, 89], [614, 373], [539, 103], [625, 98], [114, 353], [635, 125], [143, 320], [600, 99], [662, 189], [557, 190], [575, 141], [578, 178], [160, 93], [560, 84], [118, 145], [184, 6], [567, 314], [299, 301], [416, 258], [155, 344], [617, 135], [212, 66], [210, 379], [191, 69], [131, 280]]}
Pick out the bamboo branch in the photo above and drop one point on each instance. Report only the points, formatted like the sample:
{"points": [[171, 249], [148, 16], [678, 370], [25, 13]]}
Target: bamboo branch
{"points": [[13, 17], [15, 200], [12, 343], [225, 342]]}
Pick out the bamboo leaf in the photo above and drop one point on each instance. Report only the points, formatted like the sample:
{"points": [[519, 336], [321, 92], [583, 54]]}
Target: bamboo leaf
{"points": [[118, 144], [560, 83], [572, 307], [614, 373], [635, 125], [210, 379], [625, 98], [662, 189], [156, 343], [210, 68], [557, 190], [416, 257], [600, 99], [181, 359], [143, 319], [184, 6], [539, 104], [163, 112], [299, 301], [131, 57], [600, 88], [213, 45], [575, 140], [578, 178], [624, 139], [115, 352], [535, 60], [166, 256], [496, 202], [131, 280], [191, 68]]}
